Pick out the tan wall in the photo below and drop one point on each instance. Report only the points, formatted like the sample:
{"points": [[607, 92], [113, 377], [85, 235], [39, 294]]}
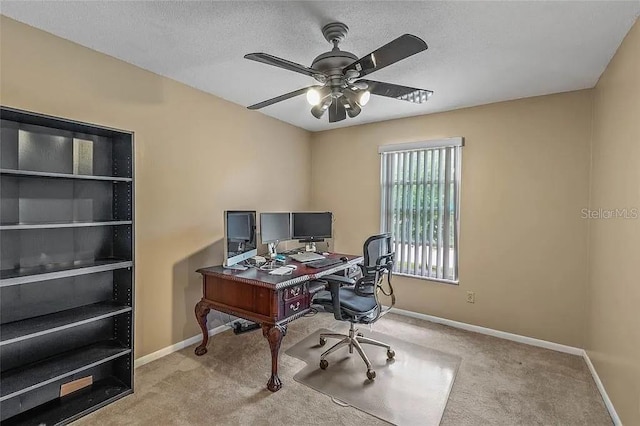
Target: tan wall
{"points": [[613, 331], [196, 155], [523, 244]]}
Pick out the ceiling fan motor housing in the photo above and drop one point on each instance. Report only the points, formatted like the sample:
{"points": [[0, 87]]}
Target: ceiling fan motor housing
{"points": [[332, 62]]}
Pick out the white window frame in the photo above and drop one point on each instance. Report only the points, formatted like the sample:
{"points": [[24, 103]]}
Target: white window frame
{"points": [[425, 269]]}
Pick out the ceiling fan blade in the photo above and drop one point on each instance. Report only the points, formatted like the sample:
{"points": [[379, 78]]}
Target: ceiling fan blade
{"points": [[337, 112], [280, 98], [287, 65], [401, 48], [403, 93]]}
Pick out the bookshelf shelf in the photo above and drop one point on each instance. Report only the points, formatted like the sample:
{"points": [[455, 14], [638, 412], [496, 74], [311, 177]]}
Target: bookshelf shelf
{"points": [[38, 326], [29, 173], [57, 225]]}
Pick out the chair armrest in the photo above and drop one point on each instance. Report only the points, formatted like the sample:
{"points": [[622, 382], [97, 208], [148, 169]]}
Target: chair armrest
{"points": [[334, 288], [335, 282], [339, 279]]}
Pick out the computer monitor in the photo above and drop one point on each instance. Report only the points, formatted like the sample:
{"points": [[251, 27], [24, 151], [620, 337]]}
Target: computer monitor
{"points": [[309, 227], [275, 227], [239, 237]]}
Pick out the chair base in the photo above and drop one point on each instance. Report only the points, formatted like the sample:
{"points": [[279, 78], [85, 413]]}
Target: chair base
{"points": [[352, 340]]}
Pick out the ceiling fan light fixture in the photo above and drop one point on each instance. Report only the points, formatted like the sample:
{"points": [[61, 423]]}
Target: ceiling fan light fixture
{"points": [[349, 103], [313, 96], [354, 111], [318, 110], [318, 94], [357, 97], [363, 97]]}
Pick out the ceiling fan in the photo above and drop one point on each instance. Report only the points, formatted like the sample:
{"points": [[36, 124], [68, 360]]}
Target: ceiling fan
{"points": [[340, 90]]}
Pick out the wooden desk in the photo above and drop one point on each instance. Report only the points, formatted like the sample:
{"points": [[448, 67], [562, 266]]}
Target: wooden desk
{"points": [[270, 300]]}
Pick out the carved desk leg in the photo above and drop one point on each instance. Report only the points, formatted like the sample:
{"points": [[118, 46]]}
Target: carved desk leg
{"points": [[274, 334], [202, 309]]}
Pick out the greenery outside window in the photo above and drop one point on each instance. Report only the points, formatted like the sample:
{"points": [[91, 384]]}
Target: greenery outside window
{"points": [[420, 206]]}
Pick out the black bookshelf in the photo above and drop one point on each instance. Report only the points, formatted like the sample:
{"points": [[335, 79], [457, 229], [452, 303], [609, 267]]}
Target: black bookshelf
{"points": [[66, 267]]}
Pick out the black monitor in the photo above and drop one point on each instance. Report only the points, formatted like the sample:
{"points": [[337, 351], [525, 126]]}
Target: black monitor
{"points": [[307, 226], [239, 236], [275, 227]]}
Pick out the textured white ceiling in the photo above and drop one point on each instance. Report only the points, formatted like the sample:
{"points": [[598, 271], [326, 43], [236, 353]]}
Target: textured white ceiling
{"points": [[479, 52]]}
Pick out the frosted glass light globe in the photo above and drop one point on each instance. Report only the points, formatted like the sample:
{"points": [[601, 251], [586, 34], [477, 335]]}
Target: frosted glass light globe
{"points": [[313, 97], [364, 98]]}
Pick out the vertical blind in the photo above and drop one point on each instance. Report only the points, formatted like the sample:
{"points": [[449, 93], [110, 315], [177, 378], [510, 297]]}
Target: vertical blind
{"points": [[420, 185]]}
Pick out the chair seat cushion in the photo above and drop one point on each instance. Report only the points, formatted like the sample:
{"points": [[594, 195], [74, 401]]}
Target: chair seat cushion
{"points": [[348, 300]]}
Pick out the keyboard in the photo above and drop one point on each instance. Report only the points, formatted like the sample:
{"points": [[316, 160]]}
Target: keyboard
{"points": [[307, 256], [323, 263]]}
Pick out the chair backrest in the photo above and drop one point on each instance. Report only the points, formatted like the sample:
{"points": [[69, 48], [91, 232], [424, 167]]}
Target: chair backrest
{"points": [[377, 253], [378, 262]]}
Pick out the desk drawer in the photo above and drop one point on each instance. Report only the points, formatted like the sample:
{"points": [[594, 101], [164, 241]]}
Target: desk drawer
{"points": [[295, 305], [294, 291]]}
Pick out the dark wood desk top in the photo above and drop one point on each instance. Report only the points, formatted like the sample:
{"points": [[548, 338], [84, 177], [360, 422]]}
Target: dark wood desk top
{"points": [[302, 273]]}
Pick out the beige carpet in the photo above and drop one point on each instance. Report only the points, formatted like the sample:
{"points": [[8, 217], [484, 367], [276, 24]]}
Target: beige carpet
{"points": [[411, 389], [498, 383]]}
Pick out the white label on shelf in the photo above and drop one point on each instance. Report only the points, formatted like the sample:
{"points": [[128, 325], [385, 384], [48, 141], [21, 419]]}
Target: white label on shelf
{"points": [[82, 157]]}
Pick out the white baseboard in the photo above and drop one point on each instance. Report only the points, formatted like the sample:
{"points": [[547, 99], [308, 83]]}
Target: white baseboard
{"points": [[528, 341], [496, 333], [603, 392], [177, 346]]}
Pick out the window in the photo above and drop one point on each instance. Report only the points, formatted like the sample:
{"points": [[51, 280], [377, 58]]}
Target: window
{"points": [[420, 206]]}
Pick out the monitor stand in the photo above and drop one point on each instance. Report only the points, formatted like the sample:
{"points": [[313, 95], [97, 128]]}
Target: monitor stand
{"points": [[272, 250], [310, 246]]}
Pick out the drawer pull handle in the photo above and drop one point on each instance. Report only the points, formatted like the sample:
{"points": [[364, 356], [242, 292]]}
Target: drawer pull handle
{"points": [[295, 292], [294, 307]]}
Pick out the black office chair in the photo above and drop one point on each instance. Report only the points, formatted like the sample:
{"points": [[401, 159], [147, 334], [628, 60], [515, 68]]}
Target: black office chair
{"points": [[357, 301]]}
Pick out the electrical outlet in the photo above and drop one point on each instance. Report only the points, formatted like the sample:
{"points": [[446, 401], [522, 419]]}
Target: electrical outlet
{"points": [[471, 297]]}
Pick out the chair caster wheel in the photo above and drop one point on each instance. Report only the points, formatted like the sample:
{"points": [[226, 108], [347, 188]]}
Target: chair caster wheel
{"points": [[323, 341], [371, 374], [324, 364], [390, 354]]}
